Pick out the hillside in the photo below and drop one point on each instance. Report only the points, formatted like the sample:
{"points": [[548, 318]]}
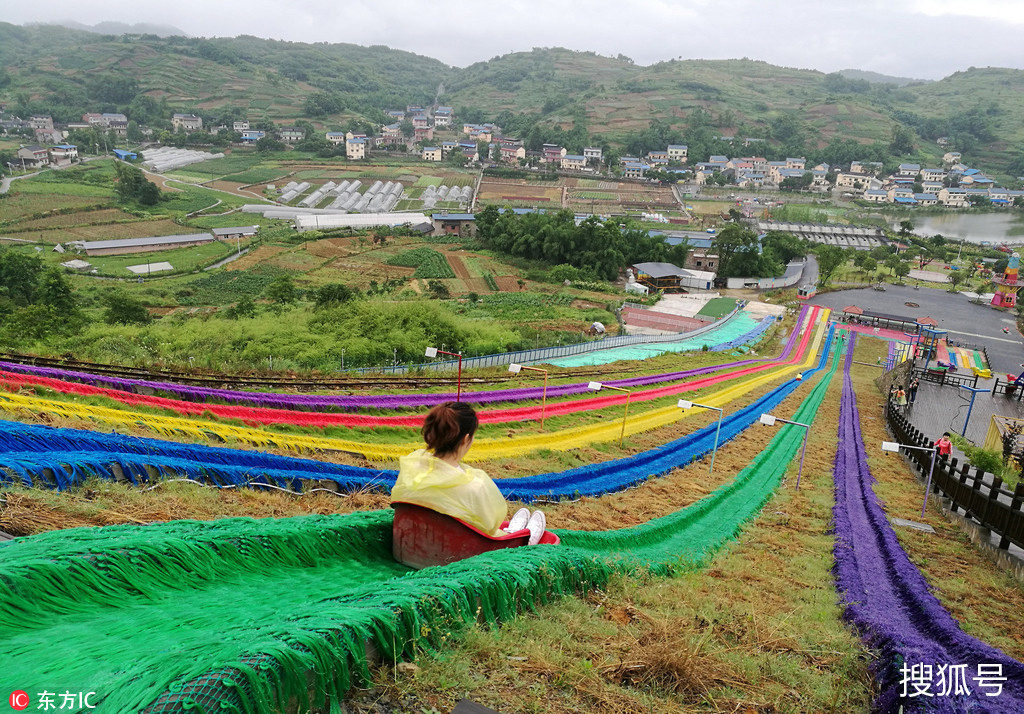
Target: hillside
{"points": [[979, 109], [70, 71], [67, 72]]}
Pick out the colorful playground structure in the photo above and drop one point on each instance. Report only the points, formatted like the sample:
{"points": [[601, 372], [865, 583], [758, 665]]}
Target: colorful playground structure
{"points": [[137, 613], [1007, 286]]}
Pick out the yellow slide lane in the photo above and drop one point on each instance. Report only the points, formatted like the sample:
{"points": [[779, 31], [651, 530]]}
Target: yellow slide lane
{"points": [[483, 449]]}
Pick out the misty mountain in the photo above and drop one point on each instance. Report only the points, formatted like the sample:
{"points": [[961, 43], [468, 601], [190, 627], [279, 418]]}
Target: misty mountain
{"points": [[121, 28]]}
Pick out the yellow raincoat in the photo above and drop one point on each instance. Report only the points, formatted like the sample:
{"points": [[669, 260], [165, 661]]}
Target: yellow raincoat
{"points": [[463, 492]]}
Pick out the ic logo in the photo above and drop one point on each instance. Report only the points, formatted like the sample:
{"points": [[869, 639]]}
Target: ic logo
{"points": [[19, 700]]}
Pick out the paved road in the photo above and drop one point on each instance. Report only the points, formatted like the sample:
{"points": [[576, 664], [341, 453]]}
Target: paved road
{"points": [[964, 320], [810, 275]]}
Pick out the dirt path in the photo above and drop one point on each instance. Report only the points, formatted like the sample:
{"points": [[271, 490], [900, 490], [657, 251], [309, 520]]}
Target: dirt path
{"points": [[459, 267]]}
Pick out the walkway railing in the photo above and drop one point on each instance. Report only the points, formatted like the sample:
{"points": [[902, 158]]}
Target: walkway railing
{"points": [[979, 495], [945, 378], [544, 354]]}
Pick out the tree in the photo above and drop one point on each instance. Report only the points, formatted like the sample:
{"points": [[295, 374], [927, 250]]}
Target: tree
{"points": [[408, 130], [784, 246], [132, 185], [957, 278], [830, 257], [282, 292], [902, 270], [19, 279], [456, 158], [439, 289], [933, 253], [865, 261], [123, 309], [321, 104], [893, 262], [243, 308], [269, 143], [902, 140], [332, 295]]}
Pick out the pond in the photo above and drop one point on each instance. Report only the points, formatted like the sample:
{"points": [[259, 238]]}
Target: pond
{"points": [[994, 228]]}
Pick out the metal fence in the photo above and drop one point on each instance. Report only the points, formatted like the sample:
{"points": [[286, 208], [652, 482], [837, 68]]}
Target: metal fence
{"points": [[545, 354]]}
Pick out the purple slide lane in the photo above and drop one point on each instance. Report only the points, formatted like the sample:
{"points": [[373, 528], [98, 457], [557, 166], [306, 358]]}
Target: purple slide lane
{"points": [[921, 648]]}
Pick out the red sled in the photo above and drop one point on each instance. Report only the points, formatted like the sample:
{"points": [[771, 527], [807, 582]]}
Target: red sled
{"points": [[422, 537]]}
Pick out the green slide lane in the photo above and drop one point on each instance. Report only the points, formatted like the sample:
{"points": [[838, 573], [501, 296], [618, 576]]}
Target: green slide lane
{"points": [[189, 615]]}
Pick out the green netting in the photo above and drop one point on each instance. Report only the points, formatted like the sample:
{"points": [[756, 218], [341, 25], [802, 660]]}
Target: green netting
{"points": [[249, 615], [739, 325]]}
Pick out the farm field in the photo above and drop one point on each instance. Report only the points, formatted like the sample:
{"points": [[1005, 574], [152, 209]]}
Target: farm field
{"points": [[520, 193]]}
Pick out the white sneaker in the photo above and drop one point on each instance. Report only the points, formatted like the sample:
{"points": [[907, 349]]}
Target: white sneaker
{"points": [[519, 521], [537, 524]]}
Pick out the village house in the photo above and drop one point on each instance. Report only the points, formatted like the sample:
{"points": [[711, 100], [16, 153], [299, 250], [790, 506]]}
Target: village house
{"points": [[796, 163], [926, 199], [251, 136], [355, 146], [414, 109], [819, 180], [953, 197], [335, 137], [392, 131], [291, 134], [423, 133], [853, 181], [432, 153], [866, 167], [951, 157], [573, 162], [448, 146], [33, 156], [593, 153], [909, 170], [240, 126], [876, 195], [40, 121], [420, 121], [63, 154], [677, 153], [512, 154], [552, 153], [779, 174], [49, 136], [933, 175], [750, 179], [657, 158], [443, 117], [396, 114], [187, 122], [701, 260], [635, 171], [999, 196], [974, 178]]}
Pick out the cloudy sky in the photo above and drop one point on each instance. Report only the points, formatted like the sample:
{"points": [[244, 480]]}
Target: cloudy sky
{"points": [[926, 39]]}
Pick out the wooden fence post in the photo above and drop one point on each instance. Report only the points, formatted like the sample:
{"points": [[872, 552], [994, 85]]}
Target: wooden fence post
{"points": [[993, 499], [961, 481], [1015, 506]]}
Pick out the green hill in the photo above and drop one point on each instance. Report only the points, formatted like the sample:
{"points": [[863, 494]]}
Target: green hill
{"points": [[980, 109], [542, 94], [68, 72]]}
